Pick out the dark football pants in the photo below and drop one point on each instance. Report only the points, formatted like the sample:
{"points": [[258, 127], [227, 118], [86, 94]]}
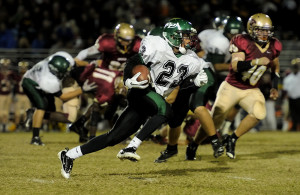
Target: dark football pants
{"points": [[190, 99], [142, 104]]}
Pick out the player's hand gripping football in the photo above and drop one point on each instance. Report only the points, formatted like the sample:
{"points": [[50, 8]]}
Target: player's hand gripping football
{"points": [[201, 79], [88, 86], [133, 83]]}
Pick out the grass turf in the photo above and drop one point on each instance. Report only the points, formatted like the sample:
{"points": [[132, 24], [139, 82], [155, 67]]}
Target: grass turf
{"points": [[266, 163]]}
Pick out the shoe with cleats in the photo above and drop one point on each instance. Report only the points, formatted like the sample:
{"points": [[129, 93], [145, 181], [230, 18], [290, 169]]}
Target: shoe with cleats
{"points": [[230, 147], [190, 153], [165, 155], [129, 154], [217, 148], [36, 140], [66, 163]]}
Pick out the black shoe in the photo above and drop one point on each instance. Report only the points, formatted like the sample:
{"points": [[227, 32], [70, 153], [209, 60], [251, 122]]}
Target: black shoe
{"points": [[217, 147], [230, 147], [66, 163], [165, 155], [190, 153], [81, 131], [129, 154], [28, 121], [37, 141]]}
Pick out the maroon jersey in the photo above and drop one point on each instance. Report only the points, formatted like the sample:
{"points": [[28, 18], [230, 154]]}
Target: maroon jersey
{"points": [[107, 46], [251, 78], [7, 82], [18, 86], [105, 80]]}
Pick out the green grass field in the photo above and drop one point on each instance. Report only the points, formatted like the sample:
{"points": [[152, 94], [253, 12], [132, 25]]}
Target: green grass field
{"points": [[266, 163]]}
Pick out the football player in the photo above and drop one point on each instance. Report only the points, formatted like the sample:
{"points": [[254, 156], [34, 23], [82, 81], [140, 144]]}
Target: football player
{"points": [[41, 83], [22, 102], [6, 79], [170, 62], [114, 50], [252, 54]]}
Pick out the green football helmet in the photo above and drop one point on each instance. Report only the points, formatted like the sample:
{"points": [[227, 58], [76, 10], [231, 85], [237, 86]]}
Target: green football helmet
{"points": [[174, 29], [59, 66], [234, 25]]}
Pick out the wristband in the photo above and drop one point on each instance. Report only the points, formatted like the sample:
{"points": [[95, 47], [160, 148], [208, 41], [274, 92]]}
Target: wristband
{"points": [[243, 65]]}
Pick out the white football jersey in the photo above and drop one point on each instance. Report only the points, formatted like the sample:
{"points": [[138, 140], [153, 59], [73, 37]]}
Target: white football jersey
{"points": [[213, 41], [41, 74], [167, 71]]}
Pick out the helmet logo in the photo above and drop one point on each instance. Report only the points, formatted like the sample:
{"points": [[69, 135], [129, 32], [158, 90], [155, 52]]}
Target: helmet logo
{"points": [[171, 25]]}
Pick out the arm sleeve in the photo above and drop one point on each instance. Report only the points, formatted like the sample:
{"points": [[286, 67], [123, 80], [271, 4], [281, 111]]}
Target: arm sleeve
{"points": [[87, 52], [131, 62]]}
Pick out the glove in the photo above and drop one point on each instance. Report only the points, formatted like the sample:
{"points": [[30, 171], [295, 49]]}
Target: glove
{"points": [[88, 86], [133, 83], [201, 79]]}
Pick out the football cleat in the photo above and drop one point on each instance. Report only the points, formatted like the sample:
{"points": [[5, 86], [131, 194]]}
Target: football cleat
{"points": [[165, 155], [81, 131], [129, 154], [36, 140], [190, 153], [66, 163], [217, 147], [230, 147]]}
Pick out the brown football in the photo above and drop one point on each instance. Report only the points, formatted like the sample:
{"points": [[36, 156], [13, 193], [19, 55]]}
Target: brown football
{"points": [[144, 72]]}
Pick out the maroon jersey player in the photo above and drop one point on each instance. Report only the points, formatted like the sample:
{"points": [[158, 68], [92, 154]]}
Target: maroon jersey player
{"points": [[252, 54], [113, 50]]}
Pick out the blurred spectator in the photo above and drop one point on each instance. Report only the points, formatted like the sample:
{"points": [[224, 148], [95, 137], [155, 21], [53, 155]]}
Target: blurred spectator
{"points": [[7, 37], [291, 86]]}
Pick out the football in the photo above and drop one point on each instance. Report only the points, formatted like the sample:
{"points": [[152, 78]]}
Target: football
{"points": [[144, 72]]}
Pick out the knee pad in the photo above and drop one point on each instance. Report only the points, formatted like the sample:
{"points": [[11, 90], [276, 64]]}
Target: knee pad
{"points": [[259, 110]]}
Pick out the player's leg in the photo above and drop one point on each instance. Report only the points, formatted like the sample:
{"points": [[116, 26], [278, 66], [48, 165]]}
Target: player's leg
{"points": [[128, 123], [224, 101], [180, 109], [253, 102], [159, 111]]}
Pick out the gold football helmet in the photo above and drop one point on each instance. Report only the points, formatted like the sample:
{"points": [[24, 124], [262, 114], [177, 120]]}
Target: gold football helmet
{"points": [[124, 34], [23, 66], [260, 28]]}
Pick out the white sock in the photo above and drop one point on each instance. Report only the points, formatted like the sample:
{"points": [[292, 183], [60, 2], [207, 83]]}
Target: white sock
{"points": [[74, 153], [135, 142]]}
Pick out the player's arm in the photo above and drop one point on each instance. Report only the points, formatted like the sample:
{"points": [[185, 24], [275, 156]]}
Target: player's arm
{"points": [[132, 62], [131, 81], [239, 64], [83, 54]]}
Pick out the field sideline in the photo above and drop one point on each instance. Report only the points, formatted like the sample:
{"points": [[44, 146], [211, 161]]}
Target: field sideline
{"points": [[266, 163]]}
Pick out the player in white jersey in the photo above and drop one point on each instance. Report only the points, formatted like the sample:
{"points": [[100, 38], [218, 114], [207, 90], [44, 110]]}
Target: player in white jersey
{"points": [[169, 65], [41, 83]]}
